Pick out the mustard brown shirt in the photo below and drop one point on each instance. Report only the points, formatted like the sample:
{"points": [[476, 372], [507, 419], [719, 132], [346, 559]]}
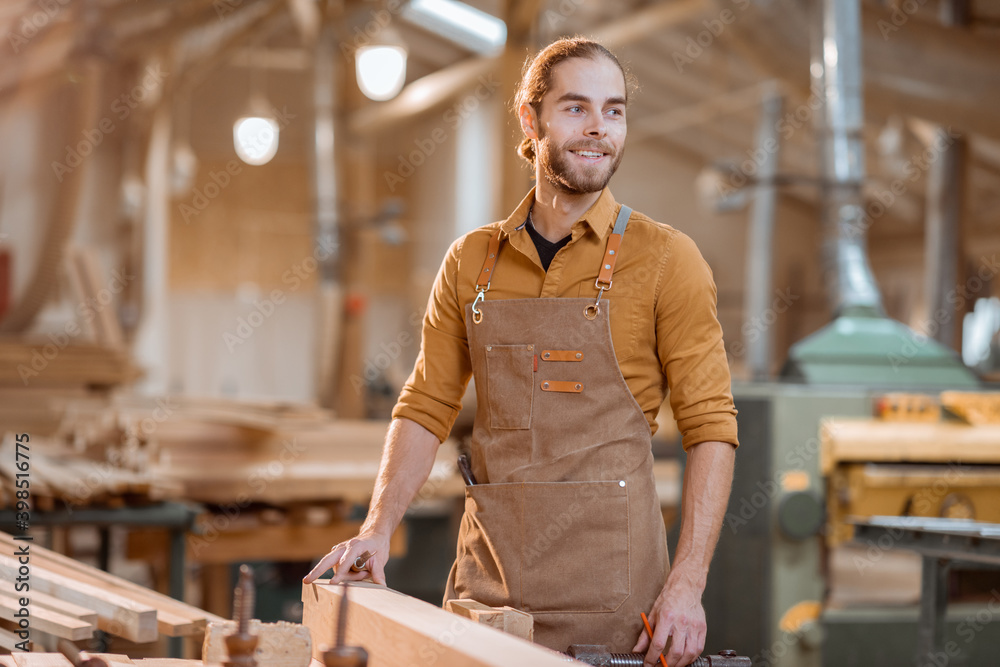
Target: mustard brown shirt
{"points": [[664, 326]]}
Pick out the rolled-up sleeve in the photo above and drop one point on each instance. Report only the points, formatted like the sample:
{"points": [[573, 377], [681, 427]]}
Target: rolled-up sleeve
{"points": [[690, 347], [432, 396]]}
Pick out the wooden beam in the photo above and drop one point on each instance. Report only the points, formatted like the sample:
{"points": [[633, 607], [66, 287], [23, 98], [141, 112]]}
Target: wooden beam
{"points": [[173, 617], [46, 620], [639, 25], [390, 626], [433, 90], [116, 614], [422, 95], [943, 74]]}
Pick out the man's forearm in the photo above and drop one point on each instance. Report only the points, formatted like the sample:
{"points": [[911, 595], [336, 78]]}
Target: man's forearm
{"points": [[406, 464], [708, 478]]}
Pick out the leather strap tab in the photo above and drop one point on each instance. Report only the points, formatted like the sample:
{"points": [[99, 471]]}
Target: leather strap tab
{"points": [[562, 355], [611, 252], [562, 386], [492, 253]]}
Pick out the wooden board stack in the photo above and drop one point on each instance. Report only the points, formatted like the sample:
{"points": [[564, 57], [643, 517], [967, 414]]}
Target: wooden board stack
{"points": [[70, 600], [64, 478], [226, 451]]}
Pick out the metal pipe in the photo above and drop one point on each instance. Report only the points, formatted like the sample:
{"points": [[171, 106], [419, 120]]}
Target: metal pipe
{"points": [[943, 237], [839, 75], [760, 246], [324, 173]]}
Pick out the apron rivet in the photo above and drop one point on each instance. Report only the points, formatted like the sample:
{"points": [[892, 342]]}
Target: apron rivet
{"points": [[611, 252], [578, 355], [545, 385], [579, 387], [489, 348], [621, 483], [531, 347], [607, 266], [546, 355]]}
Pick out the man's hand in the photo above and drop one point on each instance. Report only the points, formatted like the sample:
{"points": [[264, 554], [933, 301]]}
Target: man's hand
{"points": [[406, 463], [342, 556], [677, 615]]}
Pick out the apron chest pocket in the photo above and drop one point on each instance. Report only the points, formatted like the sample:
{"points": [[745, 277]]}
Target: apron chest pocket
{"points": [[559, 547], [510, 370]]}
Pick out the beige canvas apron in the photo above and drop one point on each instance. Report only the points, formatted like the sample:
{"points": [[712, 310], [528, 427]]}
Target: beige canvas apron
{"points": [[564, 521]]}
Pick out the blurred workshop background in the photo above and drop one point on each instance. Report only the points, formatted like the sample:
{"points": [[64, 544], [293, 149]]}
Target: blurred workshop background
{"points": [[220, 221]]}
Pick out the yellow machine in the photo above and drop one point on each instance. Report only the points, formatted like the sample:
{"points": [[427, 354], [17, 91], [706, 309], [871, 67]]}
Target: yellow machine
{"points": [[921, 456]]}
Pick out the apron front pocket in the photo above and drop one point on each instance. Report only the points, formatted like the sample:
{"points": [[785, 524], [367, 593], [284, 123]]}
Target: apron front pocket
{"points": [[545, 546], [575, 556], [510, 371]]}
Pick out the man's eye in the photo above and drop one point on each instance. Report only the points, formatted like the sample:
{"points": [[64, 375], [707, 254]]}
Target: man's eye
{"points": [[574, 109], [617, 112]]}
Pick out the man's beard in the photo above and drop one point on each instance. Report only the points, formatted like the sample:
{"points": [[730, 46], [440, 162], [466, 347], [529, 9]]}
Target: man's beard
{"points": [[585, 178]]}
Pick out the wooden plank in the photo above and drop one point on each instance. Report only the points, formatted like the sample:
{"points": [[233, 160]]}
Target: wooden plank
{"points": [[46, 620], [174, 618], [41, 660], [8, 640], [167, 662], [512, 621], [389, 625], [113, 658], [116, 614]]}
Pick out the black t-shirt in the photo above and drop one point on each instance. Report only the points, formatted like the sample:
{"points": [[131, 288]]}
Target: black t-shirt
{"points": [[546, 248]]}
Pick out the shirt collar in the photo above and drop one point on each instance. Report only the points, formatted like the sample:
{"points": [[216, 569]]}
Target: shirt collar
{"points": [[600, 216]]}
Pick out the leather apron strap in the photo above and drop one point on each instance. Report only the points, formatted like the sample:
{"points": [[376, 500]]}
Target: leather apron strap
{"points": [[603, 282]]}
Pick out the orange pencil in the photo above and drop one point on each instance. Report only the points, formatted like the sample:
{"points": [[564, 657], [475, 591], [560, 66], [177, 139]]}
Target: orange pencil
{"points": [[645, 621]]}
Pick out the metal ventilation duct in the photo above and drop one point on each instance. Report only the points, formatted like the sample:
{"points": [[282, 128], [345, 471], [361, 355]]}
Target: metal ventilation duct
{"points": [[861, 346]]}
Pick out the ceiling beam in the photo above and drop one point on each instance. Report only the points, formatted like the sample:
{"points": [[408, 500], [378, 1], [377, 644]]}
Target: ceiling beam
{"points": [[433, 90]]}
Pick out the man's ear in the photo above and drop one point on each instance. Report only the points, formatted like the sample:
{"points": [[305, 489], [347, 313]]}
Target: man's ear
{"points": [[529, 120]]}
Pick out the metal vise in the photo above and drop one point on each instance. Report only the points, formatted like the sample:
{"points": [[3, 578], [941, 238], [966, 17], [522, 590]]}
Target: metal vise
{"points": [[600, 656]]}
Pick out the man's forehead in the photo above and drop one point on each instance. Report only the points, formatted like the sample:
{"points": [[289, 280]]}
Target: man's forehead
{"points": [[592, 77]]}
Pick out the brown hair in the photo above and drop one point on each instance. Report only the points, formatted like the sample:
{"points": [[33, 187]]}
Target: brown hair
{"points": [[536, 77]]}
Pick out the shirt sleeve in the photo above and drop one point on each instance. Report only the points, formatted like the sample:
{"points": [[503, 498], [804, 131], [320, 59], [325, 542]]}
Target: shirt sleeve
{"points": [[432, 396], [690, 347]]}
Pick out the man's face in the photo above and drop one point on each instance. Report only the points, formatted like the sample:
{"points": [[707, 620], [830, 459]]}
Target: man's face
{"points": [[581, 129]]}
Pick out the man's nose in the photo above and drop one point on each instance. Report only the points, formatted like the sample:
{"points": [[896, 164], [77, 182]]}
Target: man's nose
{"points": [[597, 127]]}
